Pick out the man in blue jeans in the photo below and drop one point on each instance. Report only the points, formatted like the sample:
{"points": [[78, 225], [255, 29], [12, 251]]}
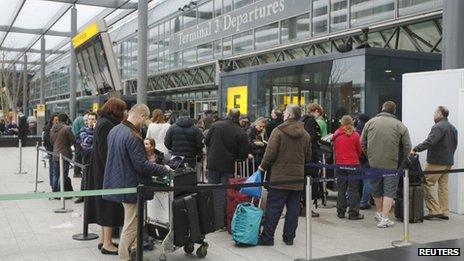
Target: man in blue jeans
{"points": [[287, 152], [226, 143]]}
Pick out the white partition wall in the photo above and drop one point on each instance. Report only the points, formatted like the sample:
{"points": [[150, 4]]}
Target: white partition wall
{"points": [[422, 93]]}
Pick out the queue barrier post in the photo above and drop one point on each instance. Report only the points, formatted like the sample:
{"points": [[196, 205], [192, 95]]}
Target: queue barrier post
{"points": [[140, 208], [308, 191], [406, 236], [85, 235], [20, 145], [63, 202], [36, 180], [325, 204]]}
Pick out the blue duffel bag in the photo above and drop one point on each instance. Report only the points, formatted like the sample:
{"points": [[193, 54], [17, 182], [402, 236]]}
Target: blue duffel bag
{"points": [[245, 224]]}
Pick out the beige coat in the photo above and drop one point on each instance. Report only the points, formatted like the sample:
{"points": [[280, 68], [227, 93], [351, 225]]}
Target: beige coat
{"points": [[288, 150], [386, 141]]}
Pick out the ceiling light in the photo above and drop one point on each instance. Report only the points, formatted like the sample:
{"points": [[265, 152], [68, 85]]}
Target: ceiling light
{"points": [[388, 71]]}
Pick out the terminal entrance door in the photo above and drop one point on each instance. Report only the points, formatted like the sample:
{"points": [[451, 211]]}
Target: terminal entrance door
{"points": [[201, 106]]}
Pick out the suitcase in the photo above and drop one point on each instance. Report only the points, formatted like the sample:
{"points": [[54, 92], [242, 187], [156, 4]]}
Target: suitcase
{"points": [[185, 176], [234, 197], [246, 223], [210, 211], [416, 205], [186, 223]]}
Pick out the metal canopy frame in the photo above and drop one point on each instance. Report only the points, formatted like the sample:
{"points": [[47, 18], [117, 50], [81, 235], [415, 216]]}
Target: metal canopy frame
{"points": [[110, 7]]}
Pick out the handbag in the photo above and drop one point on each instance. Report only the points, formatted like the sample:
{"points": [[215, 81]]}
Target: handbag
{"points": [[254, 192]]}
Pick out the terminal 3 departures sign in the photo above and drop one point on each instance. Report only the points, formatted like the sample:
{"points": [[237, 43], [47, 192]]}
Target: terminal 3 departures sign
{"points": [[237, 97], [243, 19]]}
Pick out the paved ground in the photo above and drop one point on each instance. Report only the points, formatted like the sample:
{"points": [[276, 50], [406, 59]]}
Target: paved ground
{"points": [[31, 231]]}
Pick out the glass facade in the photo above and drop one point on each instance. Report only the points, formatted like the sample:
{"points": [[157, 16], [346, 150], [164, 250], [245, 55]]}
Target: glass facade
{"points": [[324, 17], [353, 84]]}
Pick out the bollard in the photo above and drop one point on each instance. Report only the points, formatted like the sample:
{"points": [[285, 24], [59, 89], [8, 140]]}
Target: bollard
{"points": [[85, 235], [406, 237], [140, 199], [63, 203], [308, 191], [36, 181], [20, 145]]}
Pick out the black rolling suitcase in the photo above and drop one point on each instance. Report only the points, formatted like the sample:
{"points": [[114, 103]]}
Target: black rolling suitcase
{"points": [[186, 223], [416, 205], [211, 212]]}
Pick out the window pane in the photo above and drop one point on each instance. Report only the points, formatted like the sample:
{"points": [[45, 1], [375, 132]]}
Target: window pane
{"points": [[190, 57], [227, 46], [190, 18], [407, 7], [227, 6], [217, 8], [176, 24], [243, 42], [241, 3], [320, 16], [175, 61], [295, 28], [205, 12], [205, 52], [338, 15], [267, 36], [217, 49], [371, 11]]}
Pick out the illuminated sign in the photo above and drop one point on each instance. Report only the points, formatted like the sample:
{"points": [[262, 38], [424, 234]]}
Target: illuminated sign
{"points": [[237, 97], [41, 110], [82, 37], [95, 106]]}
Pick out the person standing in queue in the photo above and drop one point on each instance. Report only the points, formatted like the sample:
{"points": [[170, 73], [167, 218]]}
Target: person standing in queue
{"points": [[127, 165], [440, 145], [226, 142], [287, 152], [277, 118], [105, 213], [347, 149], [49, 146]]}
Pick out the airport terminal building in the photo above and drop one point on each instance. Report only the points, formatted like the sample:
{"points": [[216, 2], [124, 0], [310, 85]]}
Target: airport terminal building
{"points": [[347, 55]]}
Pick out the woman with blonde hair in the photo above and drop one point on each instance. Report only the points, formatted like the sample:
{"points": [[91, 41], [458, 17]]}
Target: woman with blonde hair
{"points": [[257, 139], [157, 130], [347, 149]]}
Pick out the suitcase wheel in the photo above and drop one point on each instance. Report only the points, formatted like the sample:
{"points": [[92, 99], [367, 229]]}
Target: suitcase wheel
{"points": [[188, 249], [163, 257], [202, 251]]}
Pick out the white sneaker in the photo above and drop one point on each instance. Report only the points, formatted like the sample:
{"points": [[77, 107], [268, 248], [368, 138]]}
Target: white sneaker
{"points": [[378, 217], [385, 222]]}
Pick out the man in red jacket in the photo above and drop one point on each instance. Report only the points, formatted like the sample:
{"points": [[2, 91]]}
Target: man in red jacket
{"points": [[347, 147]]}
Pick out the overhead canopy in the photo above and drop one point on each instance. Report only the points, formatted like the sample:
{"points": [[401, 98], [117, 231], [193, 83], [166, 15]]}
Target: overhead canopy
{"points": [[24, 22]]}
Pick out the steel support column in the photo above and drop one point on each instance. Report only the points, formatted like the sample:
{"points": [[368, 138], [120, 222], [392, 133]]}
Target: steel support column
{"points": [[25, 110], [142, 51], [453, 35], [42, 70], [72, 67]]}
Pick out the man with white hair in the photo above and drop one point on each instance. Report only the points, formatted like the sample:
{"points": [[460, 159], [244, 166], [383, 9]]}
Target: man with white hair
{"points": [[127, 165]]}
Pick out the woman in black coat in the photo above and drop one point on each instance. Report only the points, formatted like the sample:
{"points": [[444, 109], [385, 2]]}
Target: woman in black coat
{"points": [[105, 213]]}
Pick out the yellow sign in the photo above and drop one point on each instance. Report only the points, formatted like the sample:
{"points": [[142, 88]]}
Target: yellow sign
{"points": [[85, 35], [293, 100], [95, 106], [237, 97], [41, 110]]}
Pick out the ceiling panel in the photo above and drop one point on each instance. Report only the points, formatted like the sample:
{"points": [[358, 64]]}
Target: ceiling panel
{"points": [[35, 14], [7, 8]]}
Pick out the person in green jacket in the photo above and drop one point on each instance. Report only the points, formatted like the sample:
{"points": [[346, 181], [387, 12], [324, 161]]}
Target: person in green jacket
{"points": [[317, 111]]}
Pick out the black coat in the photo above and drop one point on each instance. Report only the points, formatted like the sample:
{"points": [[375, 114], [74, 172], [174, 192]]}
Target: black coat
{"points": [[226, 142], [272, 125], [184, 139], [46, 137], [257, 151], [100, 211], [314, 131]]}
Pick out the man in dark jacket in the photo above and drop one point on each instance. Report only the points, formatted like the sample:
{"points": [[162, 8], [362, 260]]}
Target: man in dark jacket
{"points": [[49, 146], [440, 145], [184, 139], [287, 152], [276, 119], [62, 139], [314, 130], [127, 165], [226, 142]]}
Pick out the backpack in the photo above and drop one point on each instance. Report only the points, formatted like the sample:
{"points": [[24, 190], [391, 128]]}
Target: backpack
{"points": [[246, 223]]}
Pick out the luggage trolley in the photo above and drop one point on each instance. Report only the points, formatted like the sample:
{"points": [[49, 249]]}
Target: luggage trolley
{"points": [[160, 217]]}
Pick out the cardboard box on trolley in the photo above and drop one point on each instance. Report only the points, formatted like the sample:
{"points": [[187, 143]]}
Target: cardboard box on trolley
{"points": [[422, 94]]}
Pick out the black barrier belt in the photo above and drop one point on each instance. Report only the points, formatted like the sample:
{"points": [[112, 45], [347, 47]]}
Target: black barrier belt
{"points": [[203, 187], [74, 163], [380, 171]]}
